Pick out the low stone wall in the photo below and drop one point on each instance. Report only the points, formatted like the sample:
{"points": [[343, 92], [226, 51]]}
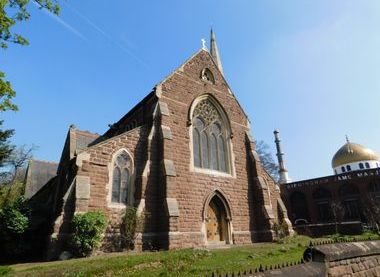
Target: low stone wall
{"points": [[363, 266], [349, 259], [331, 260]]}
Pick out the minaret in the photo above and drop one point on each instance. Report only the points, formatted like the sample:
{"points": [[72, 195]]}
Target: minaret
{"points": [[284, 177], [215, 52]]}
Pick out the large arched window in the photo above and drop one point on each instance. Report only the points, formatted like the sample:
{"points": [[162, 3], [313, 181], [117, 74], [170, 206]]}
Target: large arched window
{"points": [[121, 178], [210, 136]]}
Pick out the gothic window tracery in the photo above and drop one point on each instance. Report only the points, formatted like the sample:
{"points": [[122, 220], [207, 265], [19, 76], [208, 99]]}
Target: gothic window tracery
{"points": [[121, 178], [209, 138]]}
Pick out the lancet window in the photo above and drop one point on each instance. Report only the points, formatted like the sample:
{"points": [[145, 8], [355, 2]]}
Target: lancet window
{"points": [[121, 178]]}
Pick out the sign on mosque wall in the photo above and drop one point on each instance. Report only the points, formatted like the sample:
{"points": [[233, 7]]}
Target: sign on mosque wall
{"points": [[335, 178]]}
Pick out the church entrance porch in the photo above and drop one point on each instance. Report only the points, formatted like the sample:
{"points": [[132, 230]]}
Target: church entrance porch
{"points": [[217, 222]]}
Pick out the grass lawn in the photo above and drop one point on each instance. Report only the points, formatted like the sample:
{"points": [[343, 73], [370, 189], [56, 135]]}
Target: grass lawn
{"points": [[186, 262]]}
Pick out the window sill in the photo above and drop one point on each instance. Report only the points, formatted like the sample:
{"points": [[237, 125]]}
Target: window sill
{"points": [[117, 206], [213, 173]]}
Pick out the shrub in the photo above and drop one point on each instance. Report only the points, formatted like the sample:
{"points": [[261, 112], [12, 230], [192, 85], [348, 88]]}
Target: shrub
{"points": [[14, 223], [14, 217], [5, 270], [87, 232], [132, 224], [280, 230]]}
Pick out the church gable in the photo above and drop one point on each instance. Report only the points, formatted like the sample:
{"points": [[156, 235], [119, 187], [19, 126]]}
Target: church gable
{"points": [[97, 164], [191, 80]]}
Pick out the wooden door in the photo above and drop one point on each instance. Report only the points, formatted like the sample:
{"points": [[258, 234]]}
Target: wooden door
{"points": [[213, 223]]}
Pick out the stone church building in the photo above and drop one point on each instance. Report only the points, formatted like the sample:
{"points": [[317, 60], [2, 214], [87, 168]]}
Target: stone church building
{"points": [[183, 155]]}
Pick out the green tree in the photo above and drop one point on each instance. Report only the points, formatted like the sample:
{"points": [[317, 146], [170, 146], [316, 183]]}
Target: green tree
{"points": [[11, 12]]}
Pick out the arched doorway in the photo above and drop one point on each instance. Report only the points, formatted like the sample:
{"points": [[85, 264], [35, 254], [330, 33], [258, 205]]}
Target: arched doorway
{"points": [[217, 221]]}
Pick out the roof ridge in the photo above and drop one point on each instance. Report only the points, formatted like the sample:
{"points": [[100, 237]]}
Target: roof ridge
{"points": [[87, 132], [43, 161]]}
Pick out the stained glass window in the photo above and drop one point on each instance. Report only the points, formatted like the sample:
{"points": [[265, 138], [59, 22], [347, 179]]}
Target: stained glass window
{"points": [[121, 178], [209, 138], [197, 150]]}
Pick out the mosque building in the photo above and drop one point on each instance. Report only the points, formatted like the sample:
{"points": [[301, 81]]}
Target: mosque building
{"points": [[347, 197]]}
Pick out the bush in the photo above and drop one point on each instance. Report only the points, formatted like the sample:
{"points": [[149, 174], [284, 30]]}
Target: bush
{"points": [[87, 232], [14, 223], [5, 270], [14, 217], [280, 230], [132, 224]]}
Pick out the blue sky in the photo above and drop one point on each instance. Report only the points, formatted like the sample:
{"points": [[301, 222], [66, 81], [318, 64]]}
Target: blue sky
{"points": [[309, 68]]}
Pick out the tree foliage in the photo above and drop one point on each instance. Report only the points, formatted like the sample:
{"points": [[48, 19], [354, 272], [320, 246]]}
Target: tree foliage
{"points": [[371, 209], [5, 146], [14, 217], [14, 224], [11, 12], [266, 158]]}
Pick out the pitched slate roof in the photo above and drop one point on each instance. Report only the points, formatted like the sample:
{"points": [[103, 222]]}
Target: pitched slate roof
{"points": [[83, 139], [39, 173]]}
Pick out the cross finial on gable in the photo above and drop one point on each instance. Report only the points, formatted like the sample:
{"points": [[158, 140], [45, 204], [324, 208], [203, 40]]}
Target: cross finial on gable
{"points": [[204, 47]]}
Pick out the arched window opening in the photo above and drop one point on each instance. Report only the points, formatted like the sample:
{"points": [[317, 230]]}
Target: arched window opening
{"points": [[366, 165], [299, 207], [207, 76], [349, 195], [121, 178], [343, 169], [209, 138], [361, 166], [374, 189], [322, 199]]}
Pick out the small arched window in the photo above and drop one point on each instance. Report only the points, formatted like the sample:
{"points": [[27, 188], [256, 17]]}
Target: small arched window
{"points": [[207, 76], [209, 138], [121, 178], [361, 166], [366, 165], [343, 169], [348, 168]]}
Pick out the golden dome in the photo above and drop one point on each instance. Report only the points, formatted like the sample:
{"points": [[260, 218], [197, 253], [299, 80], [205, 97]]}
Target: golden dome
{"points": [[353, 152]]}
